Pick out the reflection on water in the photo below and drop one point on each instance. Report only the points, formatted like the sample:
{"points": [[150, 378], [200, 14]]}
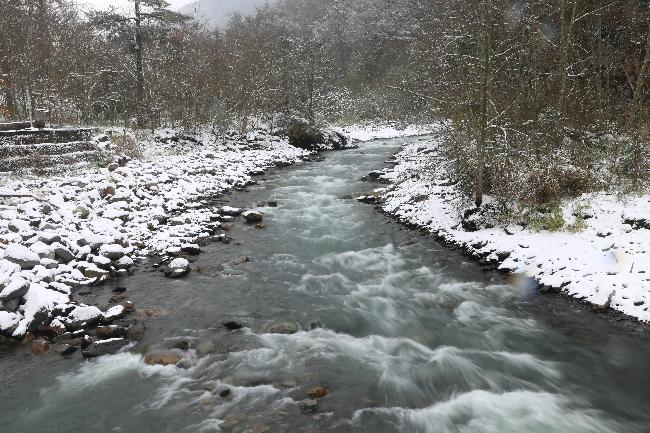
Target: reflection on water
{"points": [[404, 335]]}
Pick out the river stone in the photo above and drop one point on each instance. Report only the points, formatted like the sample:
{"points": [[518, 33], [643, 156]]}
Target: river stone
{"points": [[136, 332], [177, 268], [309, 405], [83, 316], [22, 256], [8, 322], [253, 217], [283, 328], [104, 347], [40, 346], [108, 332], [162, 359], [112, 251], [317, 392], [205, 348]]}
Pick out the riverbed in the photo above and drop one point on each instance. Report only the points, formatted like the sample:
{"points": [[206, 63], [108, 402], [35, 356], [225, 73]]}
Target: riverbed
{"points": [[403, 334]]}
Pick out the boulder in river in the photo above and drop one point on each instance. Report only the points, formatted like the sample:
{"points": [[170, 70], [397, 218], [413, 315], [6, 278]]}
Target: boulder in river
{"points": [[177, 268], [317, 392], [166, 358], [253, 217], [231, 211], [283, 328], [309, 405], [104, 347]]}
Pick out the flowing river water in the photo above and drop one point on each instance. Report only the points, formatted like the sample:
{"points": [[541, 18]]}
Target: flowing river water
{"points": [[406, 336]]}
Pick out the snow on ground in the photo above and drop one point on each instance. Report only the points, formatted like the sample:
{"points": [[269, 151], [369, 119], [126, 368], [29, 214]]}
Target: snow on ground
{"points": [[362, 132], [606, 261], [76, 229], [72, 230]]}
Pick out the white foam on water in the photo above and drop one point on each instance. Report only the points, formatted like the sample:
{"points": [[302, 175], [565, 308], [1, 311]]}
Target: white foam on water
{"points": [[488, 412]]}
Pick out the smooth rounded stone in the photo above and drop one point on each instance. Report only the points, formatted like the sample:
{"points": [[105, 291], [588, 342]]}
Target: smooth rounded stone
{"points": [[317, 392], [104, 347], [309, 405], [225, 393], [177, 268], [17, 288], [113, 166], [40, 346], [22, 256], [162, 358], [283, 328], [253, 217], [119, 290]]}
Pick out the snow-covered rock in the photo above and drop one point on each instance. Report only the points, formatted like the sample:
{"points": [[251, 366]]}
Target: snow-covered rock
{"points": [[22, 256], [177, 268], [605, 262]]}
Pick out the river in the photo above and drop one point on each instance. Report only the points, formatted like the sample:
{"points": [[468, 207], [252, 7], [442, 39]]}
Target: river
{"points": [[404, 334]]}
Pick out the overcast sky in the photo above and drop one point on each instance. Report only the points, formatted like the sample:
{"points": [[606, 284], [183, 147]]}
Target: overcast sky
{"points": [[104, 4]]}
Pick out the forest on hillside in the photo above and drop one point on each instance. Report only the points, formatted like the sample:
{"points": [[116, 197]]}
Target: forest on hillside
{"points": [[542, 98]]}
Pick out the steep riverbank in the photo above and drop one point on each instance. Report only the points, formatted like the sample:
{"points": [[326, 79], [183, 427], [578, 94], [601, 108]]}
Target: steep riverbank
{"points": [[599, 257]]}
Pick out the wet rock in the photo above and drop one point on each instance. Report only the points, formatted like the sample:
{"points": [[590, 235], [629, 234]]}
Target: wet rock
{"points": [[136, 331], [119, 290], [177, 268], [117, 298], [253, 217], [114, 313], [272, 203], [225, 393], [86, 341], [242, 260], [260, 226], [104, 347], [232, 325], [283, 328], [314, 324], [162, 359], [317, 392], [108, 332], [22, 256], [183, 345], [40, 346], [308, 406], [67, 350]]}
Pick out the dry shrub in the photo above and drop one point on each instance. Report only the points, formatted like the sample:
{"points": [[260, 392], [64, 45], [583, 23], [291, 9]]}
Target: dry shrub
{"points": [[127, 145]]}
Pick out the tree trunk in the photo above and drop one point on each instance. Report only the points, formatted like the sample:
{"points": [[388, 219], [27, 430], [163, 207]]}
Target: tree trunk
{"points": [[485, 99], [139, 69]]}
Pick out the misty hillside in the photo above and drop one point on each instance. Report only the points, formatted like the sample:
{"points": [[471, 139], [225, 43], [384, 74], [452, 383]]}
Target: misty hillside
{"points": [[217, 12]]}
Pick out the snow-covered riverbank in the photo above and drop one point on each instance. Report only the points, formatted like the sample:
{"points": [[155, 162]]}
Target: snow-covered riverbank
{"points": [[602, 256], [78, 229], [84, 227]]}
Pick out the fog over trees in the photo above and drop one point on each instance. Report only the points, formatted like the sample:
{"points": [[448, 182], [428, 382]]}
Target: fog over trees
{"points": [[542, 98]]}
